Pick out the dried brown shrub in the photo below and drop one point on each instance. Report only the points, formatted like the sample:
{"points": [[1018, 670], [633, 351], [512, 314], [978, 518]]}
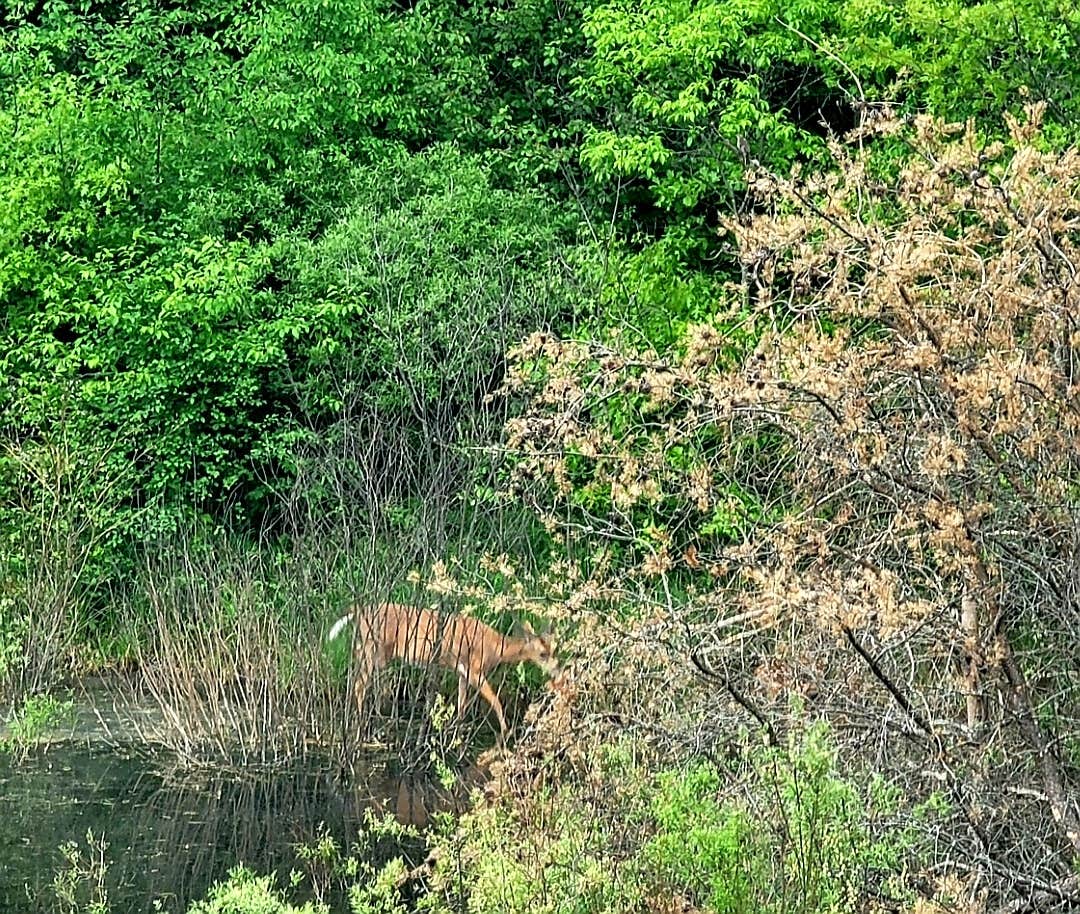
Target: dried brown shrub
{"points": [[861, 481]]}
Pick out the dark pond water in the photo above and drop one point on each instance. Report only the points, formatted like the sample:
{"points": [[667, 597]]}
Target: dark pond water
{"points": [[171, 834], [167, 838]]}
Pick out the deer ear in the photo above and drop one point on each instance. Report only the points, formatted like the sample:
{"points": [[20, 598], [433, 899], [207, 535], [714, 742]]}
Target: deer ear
{"points": [[524, 626]]}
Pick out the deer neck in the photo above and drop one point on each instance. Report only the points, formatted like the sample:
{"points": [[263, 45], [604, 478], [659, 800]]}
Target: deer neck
{"points": [[514, 650]]}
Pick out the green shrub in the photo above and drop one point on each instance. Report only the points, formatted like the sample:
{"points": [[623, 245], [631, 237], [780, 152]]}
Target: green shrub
{"points": [[79, 884], [808, 839], [433, 273], [245, 893], [702, 847], [33, 719], [498, 861], [784, 833]]}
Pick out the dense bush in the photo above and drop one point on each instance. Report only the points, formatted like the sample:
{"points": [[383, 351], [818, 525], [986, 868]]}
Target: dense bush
{"points": [[692, 95], [246, 893], [864, 473], [432, 273], [780, 831]]}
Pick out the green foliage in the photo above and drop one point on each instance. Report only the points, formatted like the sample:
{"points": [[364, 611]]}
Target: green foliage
{"points": [[79, 884], [163, 272], [244, 119], [683, 98], [790, 835], [171, 172], [32, 720], [245, 893], [831, 840], [697, 89], [124, 329], [652, 294], [700, 846], [691, 94], [379, 893], [967, 59], [62, 510], [224, 225], [820, 845], [696, 92], [507, 868], [371, 889], [13, 631], [432, 274], [532, 51]]}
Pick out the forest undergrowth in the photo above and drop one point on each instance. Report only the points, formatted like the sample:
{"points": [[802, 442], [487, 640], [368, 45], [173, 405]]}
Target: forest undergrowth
{"points": [[737, 340]]}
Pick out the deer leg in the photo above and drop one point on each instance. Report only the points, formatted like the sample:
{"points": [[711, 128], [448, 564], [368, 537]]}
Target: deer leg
{"points": [[462, 694], [488, 693], [361, 676], [363, 670]]}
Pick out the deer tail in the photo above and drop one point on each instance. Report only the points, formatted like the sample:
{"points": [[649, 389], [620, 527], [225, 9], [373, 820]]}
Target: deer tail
{"points": [[337, 627]]}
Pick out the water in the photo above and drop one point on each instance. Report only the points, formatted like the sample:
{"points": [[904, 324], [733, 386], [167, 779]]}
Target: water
{"points": [[172, 833]]}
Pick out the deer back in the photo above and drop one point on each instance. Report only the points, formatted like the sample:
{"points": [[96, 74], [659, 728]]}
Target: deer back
{"points": [[423, 636]]}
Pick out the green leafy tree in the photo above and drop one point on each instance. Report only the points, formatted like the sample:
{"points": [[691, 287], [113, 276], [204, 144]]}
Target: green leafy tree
{"points": [[437, 271], [682, 98], [962, 60]]}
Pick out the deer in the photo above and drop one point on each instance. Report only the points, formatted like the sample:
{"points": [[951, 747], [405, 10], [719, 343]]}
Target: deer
{"points": [[393, 631]]}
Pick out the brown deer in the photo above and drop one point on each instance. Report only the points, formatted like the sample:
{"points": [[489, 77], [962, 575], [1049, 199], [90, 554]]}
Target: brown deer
{"points": [[392, 631]]}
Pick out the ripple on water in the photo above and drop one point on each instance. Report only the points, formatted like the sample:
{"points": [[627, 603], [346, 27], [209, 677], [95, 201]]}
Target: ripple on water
{"points": [[169, 836]]}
